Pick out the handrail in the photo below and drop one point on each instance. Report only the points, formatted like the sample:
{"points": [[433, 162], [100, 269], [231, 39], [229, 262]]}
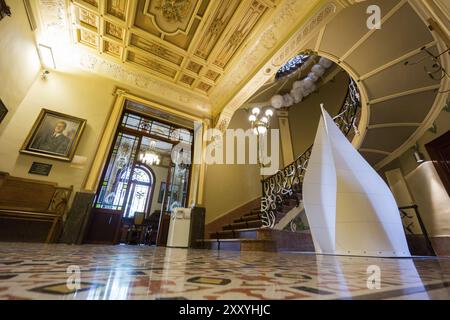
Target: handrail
{"points": [[404, 214], [287, 182]]}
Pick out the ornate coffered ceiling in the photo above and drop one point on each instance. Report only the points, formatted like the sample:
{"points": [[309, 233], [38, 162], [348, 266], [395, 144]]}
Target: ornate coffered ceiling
{"points": [[188, 42]]}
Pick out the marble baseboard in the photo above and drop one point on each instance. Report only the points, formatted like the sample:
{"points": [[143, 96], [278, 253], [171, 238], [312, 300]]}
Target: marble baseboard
{"points": [[77, 217], [441, 245]]}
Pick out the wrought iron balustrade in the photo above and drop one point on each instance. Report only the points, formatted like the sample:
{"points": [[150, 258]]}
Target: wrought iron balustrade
{"points": [[287, 183], [409, 224]]}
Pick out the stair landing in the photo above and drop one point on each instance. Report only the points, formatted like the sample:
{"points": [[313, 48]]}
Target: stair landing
{"points": [[258, 239]]}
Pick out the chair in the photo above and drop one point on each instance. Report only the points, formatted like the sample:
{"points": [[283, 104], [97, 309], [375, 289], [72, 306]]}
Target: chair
{"points": [[138, 230], [153, 225]]}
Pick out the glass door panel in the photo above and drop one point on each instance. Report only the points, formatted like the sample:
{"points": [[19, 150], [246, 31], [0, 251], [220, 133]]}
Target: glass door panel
{"points": [[115, 181], [140, 190], [179, 181]]}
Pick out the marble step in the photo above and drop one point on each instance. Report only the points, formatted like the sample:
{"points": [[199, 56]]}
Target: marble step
{"points": [[284, 240], [243, 225], [253, 212], [238, 244], [250, 233], [248, 218]]}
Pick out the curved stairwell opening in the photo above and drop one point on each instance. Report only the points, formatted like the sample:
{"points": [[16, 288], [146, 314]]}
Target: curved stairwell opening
{"points": [[272, 225], [399, 100]]}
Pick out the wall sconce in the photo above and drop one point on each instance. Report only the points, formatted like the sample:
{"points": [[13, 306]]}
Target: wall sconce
{"points": [[46, 55], [45, 74], [418, 155]]}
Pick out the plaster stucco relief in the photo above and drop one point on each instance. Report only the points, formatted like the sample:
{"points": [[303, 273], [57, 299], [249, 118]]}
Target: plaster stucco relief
{"points": [[92, 63], [55, 32], [289, 49], [186, 42]]}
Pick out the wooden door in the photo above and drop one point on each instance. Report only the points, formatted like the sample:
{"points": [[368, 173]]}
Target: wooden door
{"points": [[117, 184], [439, 151], [103, 227], [106, 217]]}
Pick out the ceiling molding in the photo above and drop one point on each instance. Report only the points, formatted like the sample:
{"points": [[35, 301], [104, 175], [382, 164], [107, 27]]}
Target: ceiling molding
{"points": [[439, 102], [390, 125], [319, 38], [374, 151], [372, 31], [396, 61], [405, 93]]}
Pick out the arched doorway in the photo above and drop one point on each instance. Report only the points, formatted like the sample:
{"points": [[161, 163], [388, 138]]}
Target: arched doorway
{"points": [[141, 189], [139, 165]]}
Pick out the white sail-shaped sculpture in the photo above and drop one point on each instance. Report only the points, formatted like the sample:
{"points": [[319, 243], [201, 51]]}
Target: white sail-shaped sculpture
{"points": [[350, 209]]}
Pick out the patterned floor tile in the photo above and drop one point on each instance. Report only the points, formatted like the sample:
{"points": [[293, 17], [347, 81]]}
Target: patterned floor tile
{"points": [[40, 271]]}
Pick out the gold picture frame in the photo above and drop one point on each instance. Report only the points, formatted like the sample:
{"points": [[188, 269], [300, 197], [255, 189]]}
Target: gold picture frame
{"points": [[54, 135]]}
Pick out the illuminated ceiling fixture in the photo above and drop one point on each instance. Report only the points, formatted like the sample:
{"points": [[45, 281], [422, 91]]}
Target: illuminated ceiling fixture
{"points": [[291, 66], [46, 55], [260, 120], [418, 155], [149, 157]]}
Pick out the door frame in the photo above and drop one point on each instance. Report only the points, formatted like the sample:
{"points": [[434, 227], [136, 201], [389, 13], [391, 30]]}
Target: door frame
{"points": [[134, 162], [443, 169], [198, 171]]}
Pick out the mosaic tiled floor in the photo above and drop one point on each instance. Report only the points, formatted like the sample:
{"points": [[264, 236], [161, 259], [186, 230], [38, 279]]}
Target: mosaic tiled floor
{"points": [[38, 271]]}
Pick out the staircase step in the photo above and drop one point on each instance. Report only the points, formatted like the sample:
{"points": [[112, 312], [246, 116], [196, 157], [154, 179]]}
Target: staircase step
{"points": [[239, 244], [243, 225], [248, 218], [251, 233], [253, 212]]}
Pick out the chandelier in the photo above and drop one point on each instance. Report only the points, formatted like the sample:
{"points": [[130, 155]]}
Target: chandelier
{"points": [[260, 120], [149, 157]]}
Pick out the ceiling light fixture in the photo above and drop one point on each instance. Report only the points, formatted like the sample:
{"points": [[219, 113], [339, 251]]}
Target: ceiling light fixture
{"points": [[46, 55], [259, 120], [148, 156]]}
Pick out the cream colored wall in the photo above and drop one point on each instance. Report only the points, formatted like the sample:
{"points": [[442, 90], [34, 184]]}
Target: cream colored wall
{"points": [[82, 95], [304, 117], [75, 93], [19, 61], [228, 187]]}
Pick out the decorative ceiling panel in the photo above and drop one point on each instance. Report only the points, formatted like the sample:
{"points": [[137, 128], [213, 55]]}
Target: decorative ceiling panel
{"points": [[188, 42]]}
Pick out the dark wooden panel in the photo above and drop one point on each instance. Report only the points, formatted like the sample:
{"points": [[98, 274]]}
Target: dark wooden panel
{"points": [[25, 194], [439, 151], [76, 220], [103, 227], [197, 230], [163, 230]]}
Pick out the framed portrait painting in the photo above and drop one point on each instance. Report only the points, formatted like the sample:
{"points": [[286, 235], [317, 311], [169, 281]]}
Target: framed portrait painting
{"points": [[4, 9], [3, 111], [54, 135]]}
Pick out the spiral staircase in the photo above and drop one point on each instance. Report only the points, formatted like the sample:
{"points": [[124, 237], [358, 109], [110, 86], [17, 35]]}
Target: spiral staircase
{"points": [[398, 71]]}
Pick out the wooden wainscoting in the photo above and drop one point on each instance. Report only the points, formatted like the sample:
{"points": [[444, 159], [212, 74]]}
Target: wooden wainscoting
{"points": [[29, 205]]}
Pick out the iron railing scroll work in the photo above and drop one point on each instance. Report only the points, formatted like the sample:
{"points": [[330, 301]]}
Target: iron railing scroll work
{"points": [[286, 185]]}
